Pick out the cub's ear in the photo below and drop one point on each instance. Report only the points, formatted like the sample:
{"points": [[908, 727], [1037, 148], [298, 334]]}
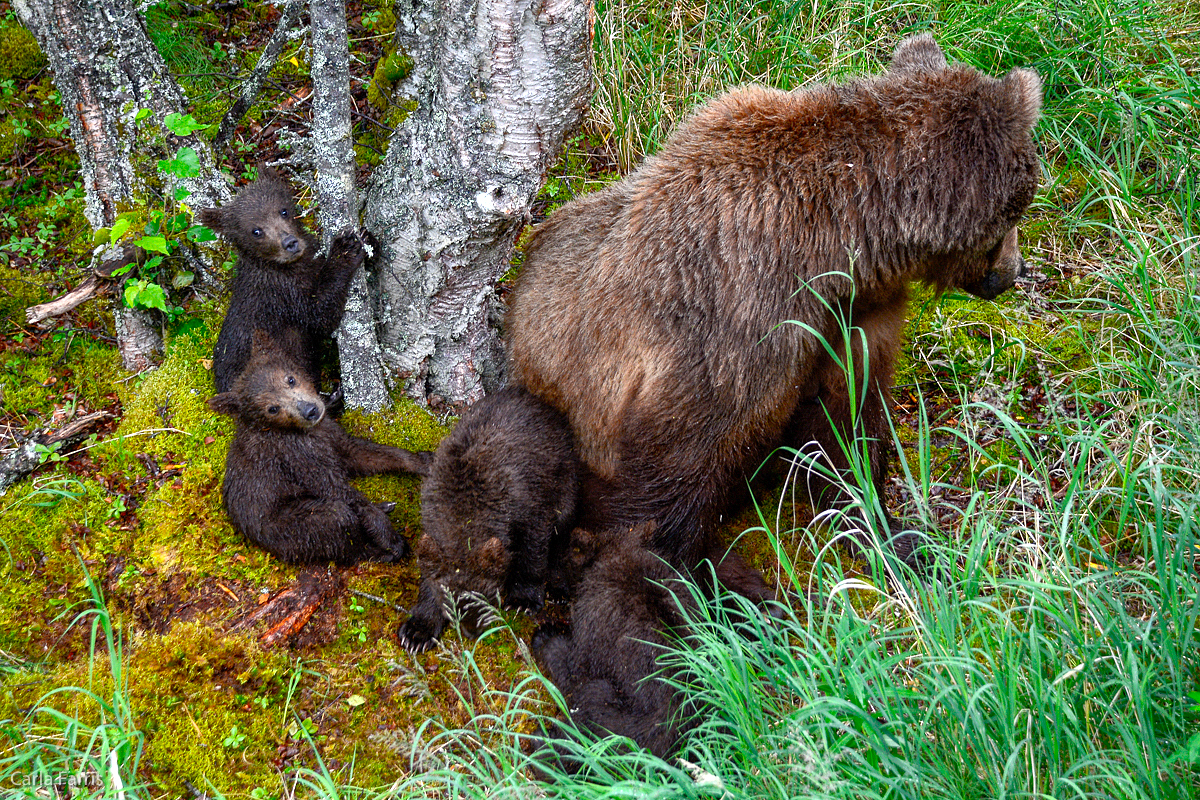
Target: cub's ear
{"points": [[917, 54], [260, 343], [267, 172], [1023, 89], [224, 403], [212, 218]]}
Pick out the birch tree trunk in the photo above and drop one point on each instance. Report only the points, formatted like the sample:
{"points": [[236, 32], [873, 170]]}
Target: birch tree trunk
{"points": [[497, 85], [107, 70], [337, 199]]}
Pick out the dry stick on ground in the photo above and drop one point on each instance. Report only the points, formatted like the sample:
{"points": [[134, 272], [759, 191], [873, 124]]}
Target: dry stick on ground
{"points": [[290, 610], [30, 454], [337, 200], [95, 284], [289, 15]]}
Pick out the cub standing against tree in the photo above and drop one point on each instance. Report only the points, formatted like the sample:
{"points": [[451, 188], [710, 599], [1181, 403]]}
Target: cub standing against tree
{"points": [[282, 284]]}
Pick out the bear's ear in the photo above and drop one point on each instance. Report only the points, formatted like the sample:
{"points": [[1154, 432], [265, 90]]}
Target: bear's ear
{"points": [[212, 218], [917, 54], [643, 532], [1023, 88], [493, 551], [260, 343], [266, 172], [224, 403]]}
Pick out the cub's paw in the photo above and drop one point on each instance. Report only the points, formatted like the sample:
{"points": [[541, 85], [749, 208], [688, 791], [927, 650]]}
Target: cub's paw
{"points": [[335, 402], [525, 597], [370, 243], [347, 248], [417, 635]]}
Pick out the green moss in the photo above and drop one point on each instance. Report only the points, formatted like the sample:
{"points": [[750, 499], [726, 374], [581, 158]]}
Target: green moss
{"points": [[395, 66], [20, 57], [11, 138], [193, 685]]}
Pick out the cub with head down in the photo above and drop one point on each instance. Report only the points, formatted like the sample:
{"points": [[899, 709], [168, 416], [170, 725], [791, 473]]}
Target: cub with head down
{"points": [[496, 508], [282, 286], [286, 486]]}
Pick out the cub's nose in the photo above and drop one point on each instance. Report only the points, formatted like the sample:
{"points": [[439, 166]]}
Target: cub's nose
{"points": [[291, 243], [1022, 269], [311, 411]]}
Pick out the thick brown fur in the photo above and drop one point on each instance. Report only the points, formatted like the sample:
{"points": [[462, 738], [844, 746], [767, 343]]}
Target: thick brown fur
{"points": [[286, 486], [496, 506], [627, 606], [281, 284], [654, 313]]}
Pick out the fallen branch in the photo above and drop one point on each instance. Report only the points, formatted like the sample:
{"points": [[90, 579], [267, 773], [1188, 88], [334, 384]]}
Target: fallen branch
{"points": [[290, 610], [31, 453], [95, 284]]}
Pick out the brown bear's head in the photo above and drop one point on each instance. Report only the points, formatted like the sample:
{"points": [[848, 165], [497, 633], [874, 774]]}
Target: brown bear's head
{"points": [[261, 220], [271, 392], [469, 560], [969, 161]]}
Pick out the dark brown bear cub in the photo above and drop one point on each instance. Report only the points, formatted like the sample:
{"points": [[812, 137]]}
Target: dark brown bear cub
{"points": [[286, 483], [655, 313], [496, 507], [627, 607], [281, 284]]}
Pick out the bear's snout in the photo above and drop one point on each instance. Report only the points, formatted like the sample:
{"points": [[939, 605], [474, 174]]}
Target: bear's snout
{"points": [[291, 243], [311, 412]]}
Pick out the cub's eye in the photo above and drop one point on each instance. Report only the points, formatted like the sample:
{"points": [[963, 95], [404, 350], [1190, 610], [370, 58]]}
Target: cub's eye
{"points": [[273, 410], [291, 381], [257, 233], [283, 212]]}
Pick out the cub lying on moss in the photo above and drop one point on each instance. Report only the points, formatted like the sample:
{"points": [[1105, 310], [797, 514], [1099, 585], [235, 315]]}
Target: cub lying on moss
{"points": [[286, 485]]}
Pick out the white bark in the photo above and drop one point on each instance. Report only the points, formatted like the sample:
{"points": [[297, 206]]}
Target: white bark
{"points": [[107, 70], [337, 198], [498, 84]]}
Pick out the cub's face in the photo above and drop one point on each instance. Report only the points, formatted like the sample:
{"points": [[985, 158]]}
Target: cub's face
{"points": [[1003, 265], [466, 559], [261, 221], [272, 395]]}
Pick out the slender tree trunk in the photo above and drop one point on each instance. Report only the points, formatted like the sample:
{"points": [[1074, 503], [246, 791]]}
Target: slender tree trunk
{"points": [[497, 85], [107, 71], [337, 199]]}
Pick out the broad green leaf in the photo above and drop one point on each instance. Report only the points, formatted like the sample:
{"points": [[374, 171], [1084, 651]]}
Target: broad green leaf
{"points": [[155, 244]]}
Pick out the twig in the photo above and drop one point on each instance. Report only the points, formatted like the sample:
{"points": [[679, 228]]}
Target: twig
{"points": [[381, 600], [29, 454], [288, 17]]}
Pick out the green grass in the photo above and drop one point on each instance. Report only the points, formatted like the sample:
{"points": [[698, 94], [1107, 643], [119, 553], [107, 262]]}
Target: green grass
{"points": [[1055, 442]]}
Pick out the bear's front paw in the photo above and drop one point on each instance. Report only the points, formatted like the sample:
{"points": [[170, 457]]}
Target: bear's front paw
{"points": [[347, 249], [417, 635], [370, 243], [525, 597], [399, 548]]}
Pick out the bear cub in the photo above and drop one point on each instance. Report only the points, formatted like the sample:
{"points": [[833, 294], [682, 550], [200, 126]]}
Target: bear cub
{"points": [[628, 606], [286, 485], [496, 508], [282, 284]]}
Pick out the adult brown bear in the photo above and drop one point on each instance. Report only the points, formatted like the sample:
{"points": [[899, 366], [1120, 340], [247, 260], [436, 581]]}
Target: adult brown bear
{"points": [[653, 313]]}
